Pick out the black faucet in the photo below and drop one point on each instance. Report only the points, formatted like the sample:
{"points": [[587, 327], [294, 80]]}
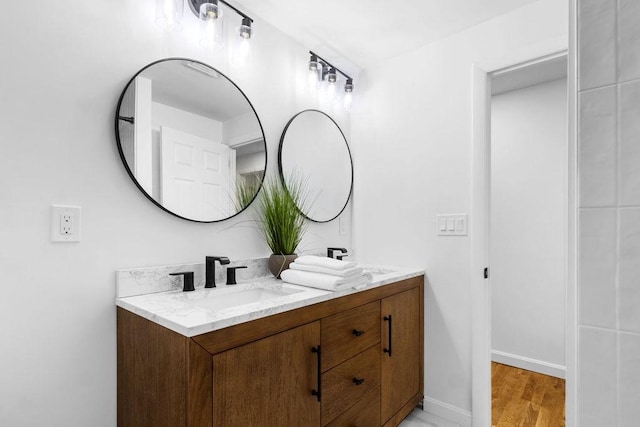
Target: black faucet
{"points": [[343, 253], [187, 281], [231, 274], [210, 269]]}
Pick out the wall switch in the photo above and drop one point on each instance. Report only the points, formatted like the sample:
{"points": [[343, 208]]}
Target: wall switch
{"points": [[451, 225], [65, 223]]}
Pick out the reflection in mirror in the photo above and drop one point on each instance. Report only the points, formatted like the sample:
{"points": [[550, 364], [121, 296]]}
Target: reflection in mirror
{"points": [[191, 140], [313, 150]]}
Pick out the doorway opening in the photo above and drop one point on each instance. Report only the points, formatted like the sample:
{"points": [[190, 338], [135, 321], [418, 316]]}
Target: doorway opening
{"points": [[527, 163]]}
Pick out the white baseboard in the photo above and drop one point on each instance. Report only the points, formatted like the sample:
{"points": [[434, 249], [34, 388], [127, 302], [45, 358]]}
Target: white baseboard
{"points": [[447, 411], [529, 364]]}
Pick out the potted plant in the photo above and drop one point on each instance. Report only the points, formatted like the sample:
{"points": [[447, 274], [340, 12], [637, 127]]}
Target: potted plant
{"points": [[281, 221]]}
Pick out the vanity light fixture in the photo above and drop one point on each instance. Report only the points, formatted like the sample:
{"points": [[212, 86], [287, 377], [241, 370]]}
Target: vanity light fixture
{"points": [[209, 10], [330, 73]]}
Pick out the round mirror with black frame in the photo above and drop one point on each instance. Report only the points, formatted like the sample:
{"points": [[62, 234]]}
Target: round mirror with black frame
{"points": [[314, 152], [190, 140]]}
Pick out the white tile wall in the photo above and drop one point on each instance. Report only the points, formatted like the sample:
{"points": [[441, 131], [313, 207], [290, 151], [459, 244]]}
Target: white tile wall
{"points": [[628, 40], [597, 267], [630, 142], [629, 270], [609, 213], [629, 380], [596, 46], [597, 372], [597, 150]]}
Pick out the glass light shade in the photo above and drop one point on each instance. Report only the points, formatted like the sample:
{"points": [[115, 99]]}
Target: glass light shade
{"points": [[245, 31], [348, 86], [169, 14], [212, 34], [314, 65], [332, 77], [210, 11]]}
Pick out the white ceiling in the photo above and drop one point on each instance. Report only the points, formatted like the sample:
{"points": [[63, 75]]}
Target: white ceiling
{"points": [[355, 34]]}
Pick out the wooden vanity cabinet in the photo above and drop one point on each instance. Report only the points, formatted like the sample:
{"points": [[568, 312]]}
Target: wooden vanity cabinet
{"points": [[402, 353], [264, 372], [268, 382]]}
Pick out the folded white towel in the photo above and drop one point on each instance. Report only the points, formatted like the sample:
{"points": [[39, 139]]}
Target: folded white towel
{"points": [[349, 272], [320, 261], [325, 281]]}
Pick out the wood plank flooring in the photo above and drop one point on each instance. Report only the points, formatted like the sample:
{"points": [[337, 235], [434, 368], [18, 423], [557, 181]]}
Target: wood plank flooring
{"points": [[525, 399]]}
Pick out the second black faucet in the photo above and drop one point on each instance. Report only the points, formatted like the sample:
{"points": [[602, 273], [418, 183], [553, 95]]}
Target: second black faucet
{"points": [[210, 269]]}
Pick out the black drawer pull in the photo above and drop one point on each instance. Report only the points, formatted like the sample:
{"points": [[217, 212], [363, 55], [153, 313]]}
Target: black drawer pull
{"points": [[357, 332], [388, 319], [318, 392], [358, 381]]}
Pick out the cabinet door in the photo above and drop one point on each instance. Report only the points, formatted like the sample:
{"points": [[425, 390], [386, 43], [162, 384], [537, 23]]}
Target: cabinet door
{"points": [[268, 382], [401, 355]]}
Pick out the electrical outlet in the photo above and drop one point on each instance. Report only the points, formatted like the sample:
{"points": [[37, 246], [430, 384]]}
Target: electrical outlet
{"points": [[65, 223]]}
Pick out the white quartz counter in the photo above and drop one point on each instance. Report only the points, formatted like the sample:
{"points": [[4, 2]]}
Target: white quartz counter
{"points": [[191, 313]]}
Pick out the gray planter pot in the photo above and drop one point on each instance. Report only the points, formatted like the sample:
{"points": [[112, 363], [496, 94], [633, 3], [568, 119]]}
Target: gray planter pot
{"points": [[279, 263]]}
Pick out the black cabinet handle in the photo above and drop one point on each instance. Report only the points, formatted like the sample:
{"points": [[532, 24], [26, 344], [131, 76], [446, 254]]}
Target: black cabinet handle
{"points": [[357, 332], [318, 392], [358, 381], [388, 319]]}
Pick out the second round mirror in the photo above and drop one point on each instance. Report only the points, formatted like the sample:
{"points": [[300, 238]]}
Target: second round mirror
{"points": [[314, 151]]}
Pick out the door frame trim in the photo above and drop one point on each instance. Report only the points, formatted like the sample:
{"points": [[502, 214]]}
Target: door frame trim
{"points": [[479, 236]]}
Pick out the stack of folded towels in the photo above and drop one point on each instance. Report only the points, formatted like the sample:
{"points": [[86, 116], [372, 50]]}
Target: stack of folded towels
{"points": [[325, 273]]}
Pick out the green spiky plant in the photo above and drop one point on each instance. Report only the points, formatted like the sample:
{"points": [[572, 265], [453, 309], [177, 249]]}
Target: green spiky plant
{"points": [[279, 214], [246, 189]]}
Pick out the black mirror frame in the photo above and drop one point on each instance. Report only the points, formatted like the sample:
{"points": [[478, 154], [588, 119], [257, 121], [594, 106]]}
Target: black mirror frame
{"points": [[132, 176], [281, 172]]}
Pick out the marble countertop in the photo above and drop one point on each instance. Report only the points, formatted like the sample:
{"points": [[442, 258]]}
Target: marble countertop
{"points": [[197, 312]]}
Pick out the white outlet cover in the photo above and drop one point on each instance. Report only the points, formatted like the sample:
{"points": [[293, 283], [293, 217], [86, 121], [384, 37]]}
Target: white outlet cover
{"points": [[72, 232]]}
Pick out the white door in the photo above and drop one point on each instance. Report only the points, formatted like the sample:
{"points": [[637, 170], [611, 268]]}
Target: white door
{"points": [[196, 176]]}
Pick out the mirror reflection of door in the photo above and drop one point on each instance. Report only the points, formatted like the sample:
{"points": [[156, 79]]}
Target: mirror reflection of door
{"points": [[191, 140], [195, 175]]}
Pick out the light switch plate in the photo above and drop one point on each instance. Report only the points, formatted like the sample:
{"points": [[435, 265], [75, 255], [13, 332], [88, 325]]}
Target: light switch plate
{"points": [[452, 225], [65, 223]]}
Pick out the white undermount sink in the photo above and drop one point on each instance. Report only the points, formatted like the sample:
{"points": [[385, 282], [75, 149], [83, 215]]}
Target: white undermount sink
{"points": [[219, 301]]}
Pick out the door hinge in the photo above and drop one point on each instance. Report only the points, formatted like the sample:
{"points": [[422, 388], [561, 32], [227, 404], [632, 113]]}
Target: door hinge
{"points": [[486, 272]]}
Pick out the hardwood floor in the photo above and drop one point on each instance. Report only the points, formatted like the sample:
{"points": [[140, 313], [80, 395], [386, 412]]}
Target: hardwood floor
{"points": [[525, 399]]}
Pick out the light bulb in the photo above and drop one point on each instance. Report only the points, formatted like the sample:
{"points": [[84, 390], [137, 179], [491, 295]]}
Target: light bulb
{"points": [[212, 27]]}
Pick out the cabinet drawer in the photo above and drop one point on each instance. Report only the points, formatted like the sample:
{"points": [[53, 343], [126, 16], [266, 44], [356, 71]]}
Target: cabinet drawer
{"points": [[348, 382], [365, 413], [346, 334]]}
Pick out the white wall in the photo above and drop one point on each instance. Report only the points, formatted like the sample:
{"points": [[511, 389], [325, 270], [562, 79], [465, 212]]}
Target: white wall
{"points": [[64, 67], [609, 213], [412, 130], [528, 230]]}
